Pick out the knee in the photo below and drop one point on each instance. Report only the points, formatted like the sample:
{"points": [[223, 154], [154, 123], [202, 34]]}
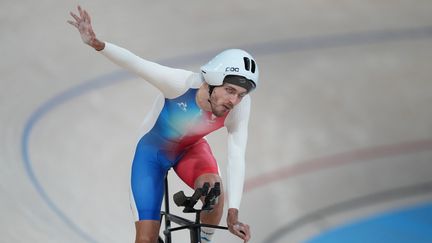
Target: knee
{"points": [[209, 178]]}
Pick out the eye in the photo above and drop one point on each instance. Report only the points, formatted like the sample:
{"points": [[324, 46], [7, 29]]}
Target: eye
{"points": [[230, 90]]}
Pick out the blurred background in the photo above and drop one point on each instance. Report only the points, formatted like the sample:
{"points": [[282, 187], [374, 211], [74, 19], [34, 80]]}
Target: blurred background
{"points": [[340, 134]]}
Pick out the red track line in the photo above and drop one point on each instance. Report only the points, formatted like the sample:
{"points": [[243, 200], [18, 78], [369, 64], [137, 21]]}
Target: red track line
{"points": [[336, 160]]}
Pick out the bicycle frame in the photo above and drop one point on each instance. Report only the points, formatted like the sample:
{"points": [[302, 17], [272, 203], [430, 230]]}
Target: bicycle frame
{"points": [[194, 227]]}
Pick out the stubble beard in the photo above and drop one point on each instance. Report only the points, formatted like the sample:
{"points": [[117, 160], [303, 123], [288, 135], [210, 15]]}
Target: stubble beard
{"points": [[218, 110], [218, 113]]}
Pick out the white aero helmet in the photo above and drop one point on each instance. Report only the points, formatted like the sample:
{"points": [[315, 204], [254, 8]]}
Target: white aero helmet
{"points": [[234, 66]]}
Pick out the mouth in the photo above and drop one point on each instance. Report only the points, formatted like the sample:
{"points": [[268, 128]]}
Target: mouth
{"points": [[227, 107]]}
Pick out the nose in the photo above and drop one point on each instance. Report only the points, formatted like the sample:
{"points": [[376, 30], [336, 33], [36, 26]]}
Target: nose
{"points": [[234, 99]]}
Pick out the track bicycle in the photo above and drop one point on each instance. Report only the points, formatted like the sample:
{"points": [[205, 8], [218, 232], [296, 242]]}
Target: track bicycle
{"points": [[181, 200]]}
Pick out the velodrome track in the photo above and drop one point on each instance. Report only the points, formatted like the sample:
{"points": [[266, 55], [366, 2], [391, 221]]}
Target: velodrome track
{"points": [[340, 130]]}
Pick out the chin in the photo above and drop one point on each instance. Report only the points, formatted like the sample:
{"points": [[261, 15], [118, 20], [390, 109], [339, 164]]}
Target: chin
{"points": [[218, 113]]}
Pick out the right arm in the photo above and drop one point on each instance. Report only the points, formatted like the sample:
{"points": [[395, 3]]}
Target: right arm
{"points": [[171, 82]]}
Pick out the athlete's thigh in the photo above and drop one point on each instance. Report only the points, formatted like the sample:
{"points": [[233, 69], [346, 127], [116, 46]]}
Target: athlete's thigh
{"points": [[197, 160], [147, 183]]}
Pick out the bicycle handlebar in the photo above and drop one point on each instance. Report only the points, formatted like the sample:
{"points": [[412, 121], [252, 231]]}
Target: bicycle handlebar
{"points": [[200, 192], [212, 196], [210, 199]]}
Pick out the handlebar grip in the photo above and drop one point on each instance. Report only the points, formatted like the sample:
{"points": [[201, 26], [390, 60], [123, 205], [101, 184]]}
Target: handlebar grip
{"points": [[205, 188], [214, 192], [180, 199], [199, 192], [212, 197], [217, 189]]}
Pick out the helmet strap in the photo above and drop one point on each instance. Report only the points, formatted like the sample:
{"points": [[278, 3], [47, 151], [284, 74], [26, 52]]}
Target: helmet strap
{"points": [[211, 88]]}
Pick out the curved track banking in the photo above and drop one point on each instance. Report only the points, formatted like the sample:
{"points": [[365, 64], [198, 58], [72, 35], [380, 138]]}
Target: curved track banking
{"points": [[267, 48]]}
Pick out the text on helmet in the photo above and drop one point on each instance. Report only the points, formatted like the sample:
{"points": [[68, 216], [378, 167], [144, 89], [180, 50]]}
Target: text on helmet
{"points": [[232, 69]]}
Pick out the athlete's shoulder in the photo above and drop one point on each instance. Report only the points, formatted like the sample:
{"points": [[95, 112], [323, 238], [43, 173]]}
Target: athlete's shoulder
{"points": [[179, 88], [195, 80], [244, 105], [239, 114]]}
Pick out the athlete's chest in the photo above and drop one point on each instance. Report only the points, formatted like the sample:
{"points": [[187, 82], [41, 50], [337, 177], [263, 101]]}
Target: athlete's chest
{"points": [[185, 116]]}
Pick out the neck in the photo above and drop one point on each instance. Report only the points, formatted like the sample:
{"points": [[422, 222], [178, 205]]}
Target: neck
{"points": [[202, 98]]}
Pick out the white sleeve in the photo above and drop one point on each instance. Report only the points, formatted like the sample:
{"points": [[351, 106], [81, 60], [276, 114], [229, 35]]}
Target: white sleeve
{"points": [[237, 126], [170, 81]]}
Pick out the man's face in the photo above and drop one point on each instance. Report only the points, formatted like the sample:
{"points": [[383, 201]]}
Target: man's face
{"points": [[225, 97]]}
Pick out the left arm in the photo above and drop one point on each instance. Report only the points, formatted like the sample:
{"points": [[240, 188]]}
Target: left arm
{"points": [[237, 124]]}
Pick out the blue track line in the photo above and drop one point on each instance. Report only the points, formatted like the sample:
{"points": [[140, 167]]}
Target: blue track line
{"points": [[44, 109], [407, 225]]}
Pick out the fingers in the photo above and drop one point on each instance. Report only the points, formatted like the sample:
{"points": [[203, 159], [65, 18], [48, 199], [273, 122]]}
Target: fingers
{"points": [[77, 19], [87, 16], [83, 17], [72, 23], [242, 231], [80, 11], [246, 232]]}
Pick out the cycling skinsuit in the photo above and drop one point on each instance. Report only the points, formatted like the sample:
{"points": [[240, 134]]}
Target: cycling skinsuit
{"points": [[176, 138]]}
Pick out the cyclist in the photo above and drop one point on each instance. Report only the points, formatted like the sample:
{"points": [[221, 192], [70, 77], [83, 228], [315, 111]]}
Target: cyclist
{"points": [[194, 105]]}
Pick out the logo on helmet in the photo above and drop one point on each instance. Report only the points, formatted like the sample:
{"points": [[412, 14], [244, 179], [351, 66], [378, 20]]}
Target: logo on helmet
{"points": [[232, 69]]}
